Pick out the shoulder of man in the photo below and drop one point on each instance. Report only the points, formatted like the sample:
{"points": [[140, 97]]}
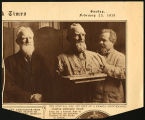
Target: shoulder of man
{"points": [[11, 58], [62, 56], [119, 54], [11, 61]]}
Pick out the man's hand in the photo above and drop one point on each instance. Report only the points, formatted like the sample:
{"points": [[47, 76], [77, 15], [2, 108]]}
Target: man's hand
{"points": [[36, 97]]}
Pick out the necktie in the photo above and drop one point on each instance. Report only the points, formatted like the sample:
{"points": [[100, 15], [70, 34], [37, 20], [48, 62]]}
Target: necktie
{"points": [[28, 59]]}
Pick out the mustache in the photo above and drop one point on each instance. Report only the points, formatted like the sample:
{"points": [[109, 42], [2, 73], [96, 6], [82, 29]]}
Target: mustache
{"points": [[79, 47], [27, 44]]}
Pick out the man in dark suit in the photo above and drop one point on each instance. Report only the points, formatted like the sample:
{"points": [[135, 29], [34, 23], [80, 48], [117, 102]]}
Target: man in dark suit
{"points": [[26, 77]]}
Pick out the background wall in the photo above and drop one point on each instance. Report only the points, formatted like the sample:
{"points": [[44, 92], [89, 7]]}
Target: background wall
{"points": [[93, 30], [9, 34], [50, 38], [55, 34]]}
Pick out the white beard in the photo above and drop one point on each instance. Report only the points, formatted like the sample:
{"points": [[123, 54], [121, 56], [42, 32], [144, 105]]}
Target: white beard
{"points": [[81, 47], [28, 49]]}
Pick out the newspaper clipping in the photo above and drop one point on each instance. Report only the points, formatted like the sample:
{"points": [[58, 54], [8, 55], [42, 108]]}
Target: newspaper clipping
{"points": [[78, 60]]}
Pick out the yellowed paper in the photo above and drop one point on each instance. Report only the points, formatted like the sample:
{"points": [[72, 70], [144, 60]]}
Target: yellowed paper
{"points": [[57, 15]]}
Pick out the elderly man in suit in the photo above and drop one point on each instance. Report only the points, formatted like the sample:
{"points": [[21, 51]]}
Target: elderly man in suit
{"points": [[25, 73]]}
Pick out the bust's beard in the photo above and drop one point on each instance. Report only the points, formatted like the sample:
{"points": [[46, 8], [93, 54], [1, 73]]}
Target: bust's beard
{"points": [[28, 49], [80, 47]]}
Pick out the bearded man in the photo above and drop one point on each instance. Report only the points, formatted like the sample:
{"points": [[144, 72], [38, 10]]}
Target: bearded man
{"points": [[78, 61], [25, 73], [114, 67]]}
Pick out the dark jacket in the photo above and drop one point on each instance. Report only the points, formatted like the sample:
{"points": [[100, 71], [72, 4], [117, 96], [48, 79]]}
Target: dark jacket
{"points": [[22, 79]]}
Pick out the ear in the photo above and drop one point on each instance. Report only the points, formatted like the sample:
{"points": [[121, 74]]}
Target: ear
{"points": [[18, 41]]}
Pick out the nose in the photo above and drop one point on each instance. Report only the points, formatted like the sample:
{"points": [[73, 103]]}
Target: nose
{"points": [[81, 37], [28, 40], [101, 42]]}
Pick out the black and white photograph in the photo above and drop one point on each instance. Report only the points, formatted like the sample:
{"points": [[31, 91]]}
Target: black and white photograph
{"points": [[72, 60], [64, 62]]}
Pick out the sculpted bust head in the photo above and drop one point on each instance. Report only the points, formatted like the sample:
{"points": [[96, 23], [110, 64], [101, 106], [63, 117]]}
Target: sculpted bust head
{"points": [[76, 37]]}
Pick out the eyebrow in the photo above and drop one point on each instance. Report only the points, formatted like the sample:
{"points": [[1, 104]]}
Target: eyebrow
{"points": [[102, 38]]}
